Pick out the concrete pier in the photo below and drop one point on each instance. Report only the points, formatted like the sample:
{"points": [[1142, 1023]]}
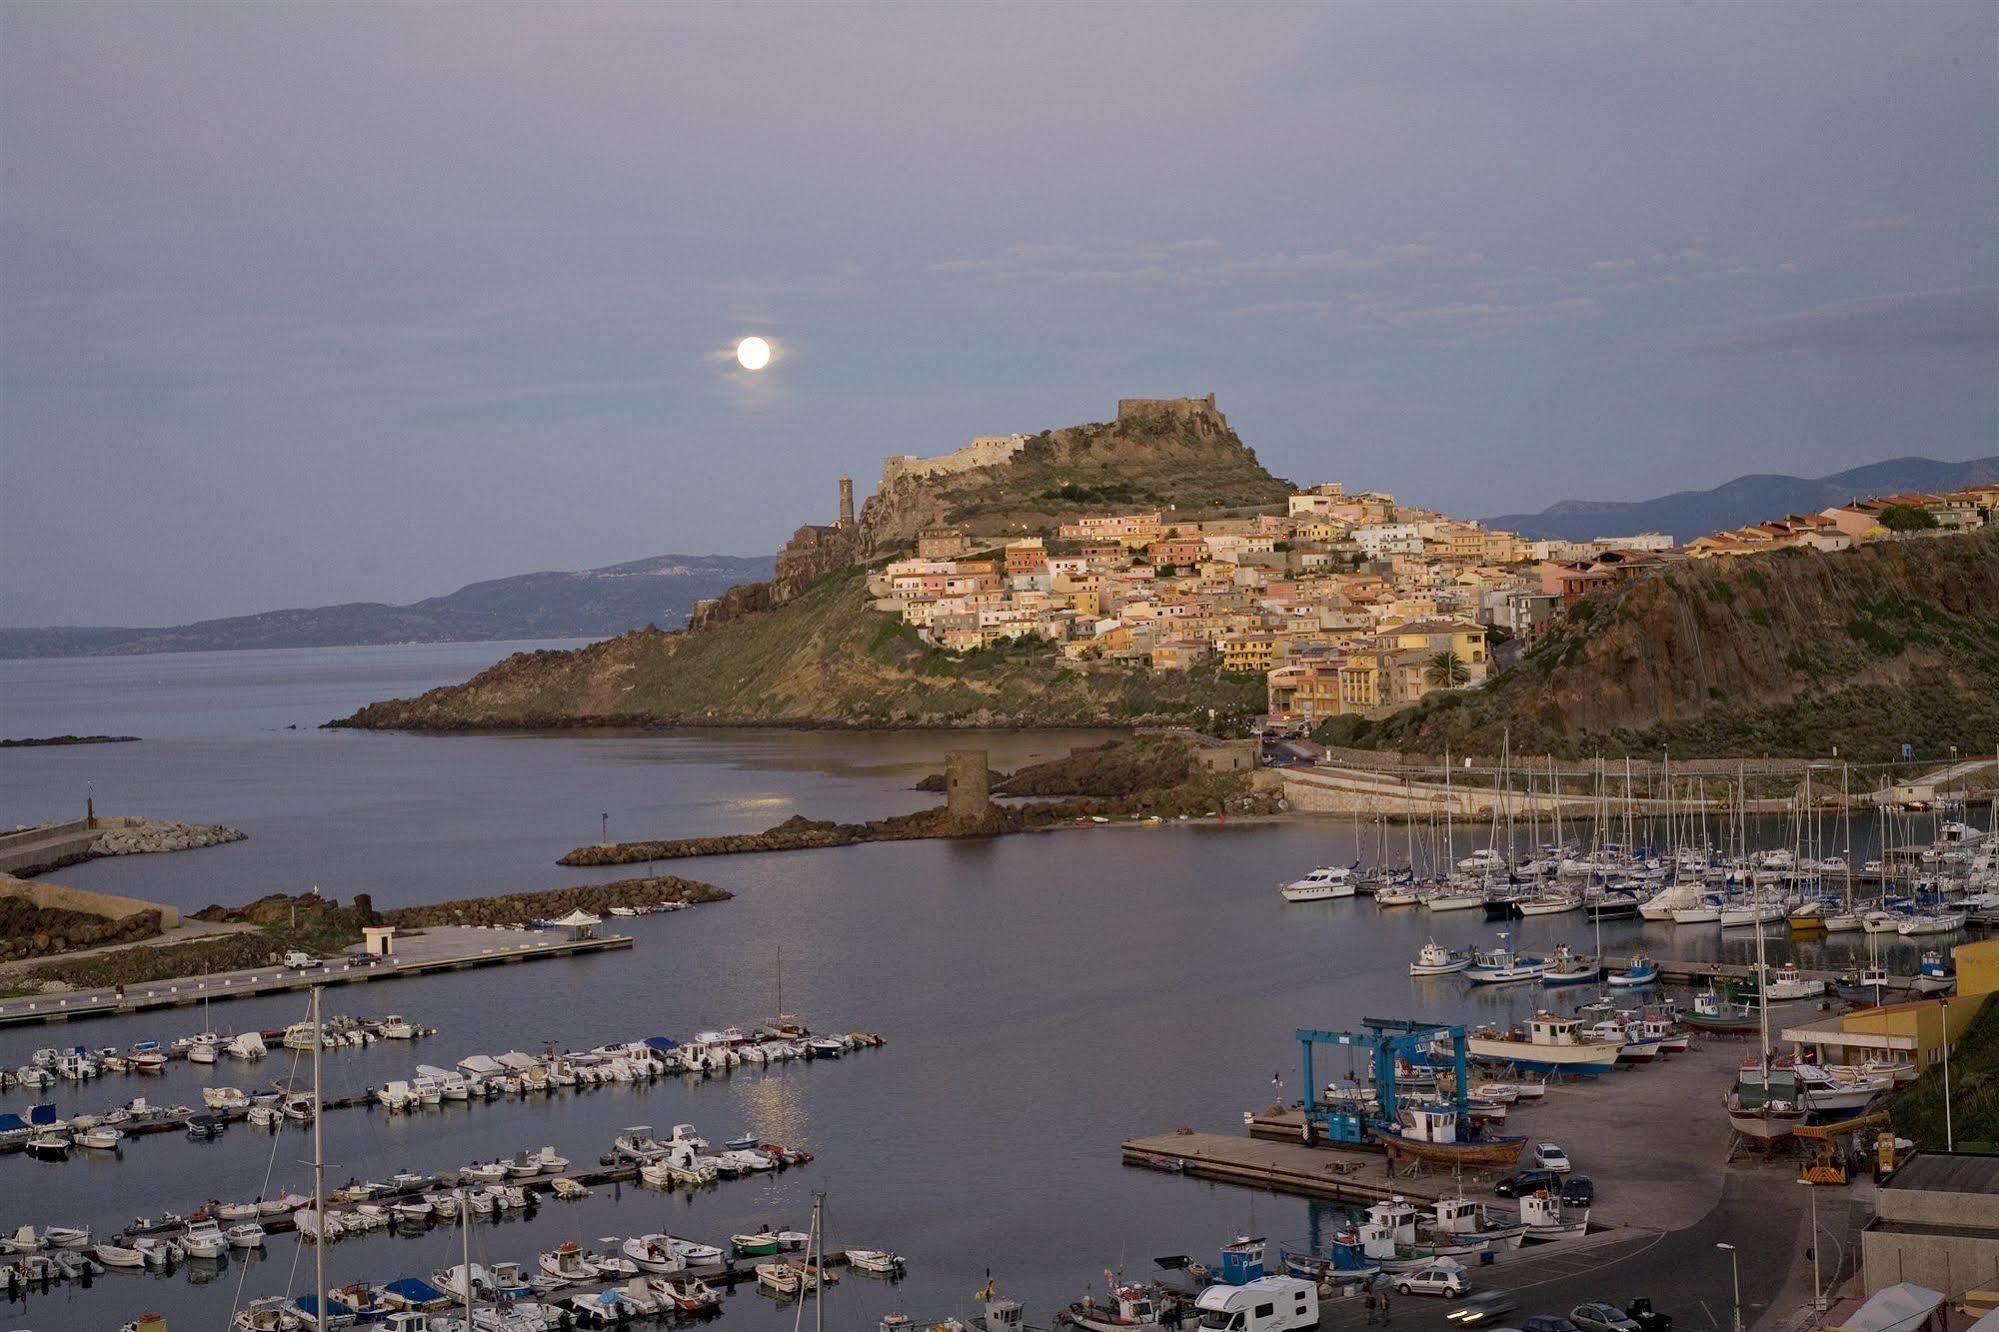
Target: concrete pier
{"points": [[436, 948]]}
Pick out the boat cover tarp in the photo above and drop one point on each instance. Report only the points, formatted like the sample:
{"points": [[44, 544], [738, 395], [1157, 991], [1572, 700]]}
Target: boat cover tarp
{"points": [[661, 1043], [482, 1065], [416, 1291], [515, 1060], [309, 1306], [12, 1123], [44, 1113], [1900, 1307]]}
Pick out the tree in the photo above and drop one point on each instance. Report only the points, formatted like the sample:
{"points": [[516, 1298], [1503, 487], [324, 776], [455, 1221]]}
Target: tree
{"points": [[1907, 518], [1447, 670]]}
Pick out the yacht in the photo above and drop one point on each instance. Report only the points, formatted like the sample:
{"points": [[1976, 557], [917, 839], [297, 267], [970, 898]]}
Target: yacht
{"points": [[1321, 885]]}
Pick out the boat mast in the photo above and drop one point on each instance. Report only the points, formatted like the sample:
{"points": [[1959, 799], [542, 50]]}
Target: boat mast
{"points": [[318, 1172], [465, 1239]]}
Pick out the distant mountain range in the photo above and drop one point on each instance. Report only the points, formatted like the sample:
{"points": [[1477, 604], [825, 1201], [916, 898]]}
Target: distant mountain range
{"points": [[590, 603], [1747, 499]]}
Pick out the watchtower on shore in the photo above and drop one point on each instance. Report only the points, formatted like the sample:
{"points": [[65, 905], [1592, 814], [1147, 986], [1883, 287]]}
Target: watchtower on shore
{"points": [[967, 791]]}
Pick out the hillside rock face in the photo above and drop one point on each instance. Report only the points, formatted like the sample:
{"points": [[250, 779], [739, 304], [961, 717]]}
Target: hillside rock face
{"points": [[1889, 643], [1168, 452]]}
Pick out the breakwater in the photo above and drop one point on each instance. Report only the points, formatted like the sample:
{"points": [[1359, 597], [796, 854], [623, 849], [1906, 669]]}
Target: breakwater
{"points": [[595, 898], [799, 833]]}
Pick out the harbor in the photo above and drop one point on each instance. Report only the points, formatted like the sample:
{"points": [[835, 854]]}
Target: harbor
{"points": [[951, 933]]}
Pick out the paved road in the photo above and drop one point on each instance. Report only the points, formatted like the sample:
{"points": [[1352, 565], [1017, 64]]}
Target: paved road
{"points": [[1680, 1271]]}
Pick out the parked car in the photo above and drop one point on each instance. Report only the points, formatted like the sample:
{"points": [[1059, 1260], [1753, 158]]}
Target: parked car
{"points": [[1443, 1278], [1481, 1309], [1602, 1318], [1548, 1156], [1548, 1323], [1578, 1191], [1641, 1312], [1526, 1182]]}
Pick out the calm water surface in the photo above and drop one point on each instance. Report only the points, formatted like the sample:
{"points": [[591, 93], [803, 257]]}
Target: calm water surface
{"points": [[1044, 996]]}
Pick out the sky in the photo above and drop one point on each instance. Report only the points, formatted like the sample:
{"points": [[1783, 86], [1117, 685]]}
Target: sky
{"points": [[308, 303]]}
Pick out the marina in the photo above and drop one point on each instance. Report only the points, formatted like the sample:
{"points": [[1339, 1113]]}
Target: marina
{"points": [[930, 918]]}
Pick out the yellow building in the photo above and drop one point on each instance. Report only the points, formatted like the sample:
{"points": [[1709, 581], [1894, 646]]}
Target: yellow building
{"points": [[1914, 1031], [1463, 638], [1249, 652]]}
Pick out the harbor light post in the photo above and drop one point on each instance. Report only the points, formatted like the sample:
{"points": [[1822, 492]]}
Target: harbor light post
{"points": [[1735, 1277], [1949, 1135], [1818, 1293]]}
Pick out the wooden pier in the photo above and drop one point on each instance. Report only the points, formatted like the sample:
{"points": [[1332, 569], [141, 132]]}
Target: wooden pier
{"points": [[435, 948]]}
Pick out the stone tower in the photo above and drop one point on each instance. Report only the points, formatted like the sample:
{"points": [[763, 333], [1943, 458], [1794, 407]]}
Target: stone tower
{"points": [[846, 501], [966, 794]]}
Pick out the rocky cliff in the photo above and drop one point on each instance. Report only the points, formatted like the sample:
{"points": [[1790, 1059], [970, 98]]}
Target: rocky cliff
{"points": [[1164, 452], [1890, 643]]}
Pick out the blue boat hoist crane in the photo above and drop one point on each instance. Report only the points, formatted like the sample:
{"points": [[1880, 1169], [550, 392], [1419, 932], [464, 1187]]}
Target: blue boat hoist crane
{"points": [[1385, 1040]]}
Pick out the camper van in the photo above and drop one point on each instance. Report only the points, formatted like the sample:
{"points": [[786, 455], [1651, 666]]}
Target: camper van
{"points": [[1268, 1304]]}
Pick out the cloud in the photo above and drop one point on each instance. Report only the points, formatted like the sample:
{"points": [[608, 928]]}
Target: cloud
{"points": [[1963, 319], [1900, 222], [1280, 309], [1481, 320], [1183, 264], [1612, 267]]}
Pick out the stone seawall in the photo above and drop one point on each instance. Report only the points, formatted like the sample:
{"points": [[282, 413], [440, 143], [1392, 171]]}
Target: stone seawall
{"points": [[554, 903], [31, 851]]}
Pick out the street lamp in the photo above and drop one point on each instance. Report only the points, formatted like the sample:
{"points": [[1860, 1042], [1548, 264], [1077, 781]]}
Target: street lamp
{"points": [[1735, 1275], [1818, 1295]]}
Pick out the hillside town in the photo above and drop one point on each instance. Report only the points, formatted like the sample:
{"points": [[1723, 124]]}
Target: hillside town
{"points": [[1348, 602]]}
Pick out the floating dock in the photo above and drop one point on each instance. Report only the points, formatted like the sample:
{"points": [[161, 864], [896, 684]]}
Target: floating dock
{"points": [[436, 948]]}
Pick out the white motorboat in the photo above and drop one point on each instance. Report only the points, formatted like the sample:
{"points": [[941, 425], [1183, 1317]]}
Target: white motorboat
{"points": [[566, 1262], [638, 1144], [1437, 960], [463, 1281], [118, 1255], [245, 1235], [158, 1252], [1321, 885], [1501, 966], [1882, 922], [103, 1138], [878, 1261], [204, 1239], [225, 1098], [780, 1278], [271, 1313], [655, 1254], [396, 1027], [248, 1045]]}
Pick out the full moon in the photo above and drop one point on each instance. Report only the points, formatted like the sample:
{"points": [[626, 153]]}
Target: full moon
{"points": [[753, 353]]}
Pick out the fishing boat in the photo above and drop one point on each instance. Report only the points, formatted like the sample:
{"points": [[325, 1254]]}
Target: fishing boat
{"points": [[1321, 885], [204, 1239], [780, 1278], [1934, 975], [1544, 1220], [1566, 967], [1501, 966], [1642, 971], [1130, 1308], [1432, 1134], [1547, 1044], [1720, 1016], [1390, 1236], [1437, 960]]}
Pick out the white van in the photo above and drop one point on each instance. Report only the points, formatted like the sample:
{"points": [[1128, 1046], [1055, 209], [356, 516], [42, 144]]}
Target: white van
{"points": [[1268, 1304]]}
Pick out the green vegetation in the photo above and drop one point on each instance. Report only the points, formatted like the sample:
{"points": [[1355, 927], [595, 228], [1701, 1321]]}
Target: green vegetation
{"points": [[1918, 1111], [826, 657], [1446, 670], [1864, 650], [1907, 518], [1110, 492], [229, 952]]}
